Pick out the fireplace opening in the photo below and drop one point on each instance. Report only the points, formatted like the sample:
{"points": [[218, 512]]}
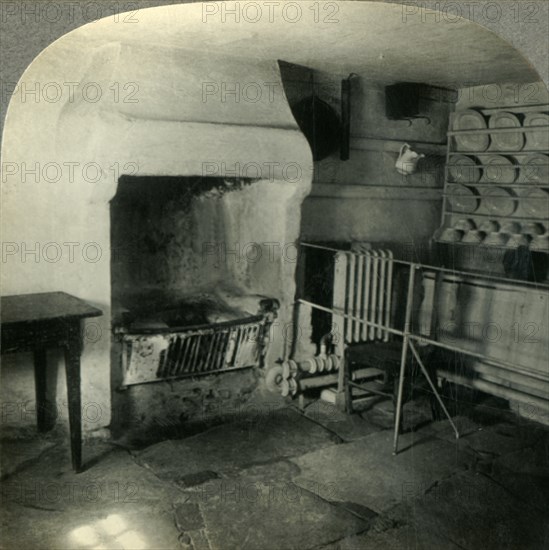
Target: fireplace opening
{"points": [[176, 309], [161, 230]]}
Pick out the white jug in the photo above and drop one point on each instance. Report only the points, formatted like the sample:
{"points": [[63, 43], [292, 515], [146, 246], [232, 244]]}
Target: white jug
{"points": [[406, 163]]}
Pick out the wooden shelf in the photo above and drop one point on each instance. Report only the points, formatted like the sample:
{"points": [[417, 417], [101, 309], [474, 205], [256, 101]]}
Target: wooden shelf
{"points": [[494, 152], [509, 130], [482, 245], [510, 218], [520, 109], [531, 186]]}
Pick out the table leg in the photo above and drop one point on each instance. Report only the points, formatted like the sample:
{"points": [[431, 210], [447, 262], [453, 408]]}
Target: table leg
{"points": [[72, 368], [45, 416]]}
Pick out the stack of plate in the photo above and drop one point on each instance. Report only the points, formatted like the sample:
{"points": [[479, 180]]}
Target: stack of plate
{"points": [[510, 188]]}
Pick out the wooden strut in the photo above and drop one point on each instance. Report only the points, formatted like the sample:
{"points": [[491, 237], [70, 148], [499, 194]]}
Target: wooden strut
{"points": [[407, 343], [404, 354]]}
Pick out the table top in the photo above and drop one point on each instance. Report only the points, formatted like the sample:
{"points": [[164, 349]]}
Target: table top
{"points": [[46, 306]]}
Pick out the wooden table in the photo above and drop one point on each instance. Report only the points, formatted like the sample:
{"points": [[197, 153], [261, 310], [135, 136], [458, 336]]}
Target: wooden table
{"points": [[38, 322]]}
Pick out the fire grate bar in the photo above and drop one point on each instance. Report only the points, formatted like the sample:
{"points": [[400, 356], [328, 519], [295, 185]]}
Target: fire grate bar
{"points": [[193, 351]]}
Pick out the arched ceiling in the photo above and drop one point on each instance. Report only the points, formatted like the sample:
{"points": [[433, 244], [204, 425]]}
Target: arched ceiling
{"points": [[386, 42]]}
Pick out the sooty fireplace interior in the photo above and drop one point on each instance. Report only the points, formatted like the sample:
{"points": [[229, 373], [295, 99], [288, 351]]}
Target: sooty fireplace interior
{"points": [[177, 310]]}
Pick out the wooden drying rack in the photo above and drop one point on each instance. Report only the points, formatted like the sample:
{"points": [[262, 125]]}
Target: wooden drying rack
{"points": [[410, 338]]}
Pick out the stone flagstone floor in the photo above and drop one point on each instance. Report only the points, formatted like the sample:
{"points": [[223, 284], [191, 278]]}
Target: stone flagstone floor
{"points": [[289, 479]]}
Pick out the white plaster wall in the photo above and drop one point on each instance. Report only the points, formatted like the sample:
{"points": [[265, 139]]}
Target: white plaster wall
{"points": [[169, 131]]}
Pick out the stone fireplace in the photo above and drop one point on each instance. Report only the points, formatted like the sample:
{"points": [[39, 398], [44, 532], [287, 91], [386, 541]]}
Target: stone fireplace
{"points": [[195, 194]]}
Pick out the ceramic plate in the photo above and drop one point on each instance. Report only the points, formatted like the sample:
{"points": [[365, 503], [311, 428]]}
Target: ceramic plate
{"points": [[473, 237], [511, 228], [535, 169], [465, 224], [498, 201], [450, 235], [510, 141], [537, 140], [535, 203], [463, 169], [470, 120], [489, 226], [517, 240], [462, 199], [496, 239], [498, 170], [533, 228]]}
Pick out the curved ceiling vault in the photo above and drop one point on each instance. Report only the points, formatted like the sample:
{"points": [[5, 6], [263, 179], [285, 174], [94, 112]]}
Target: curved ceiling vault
{"points": [[376, 39]]}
